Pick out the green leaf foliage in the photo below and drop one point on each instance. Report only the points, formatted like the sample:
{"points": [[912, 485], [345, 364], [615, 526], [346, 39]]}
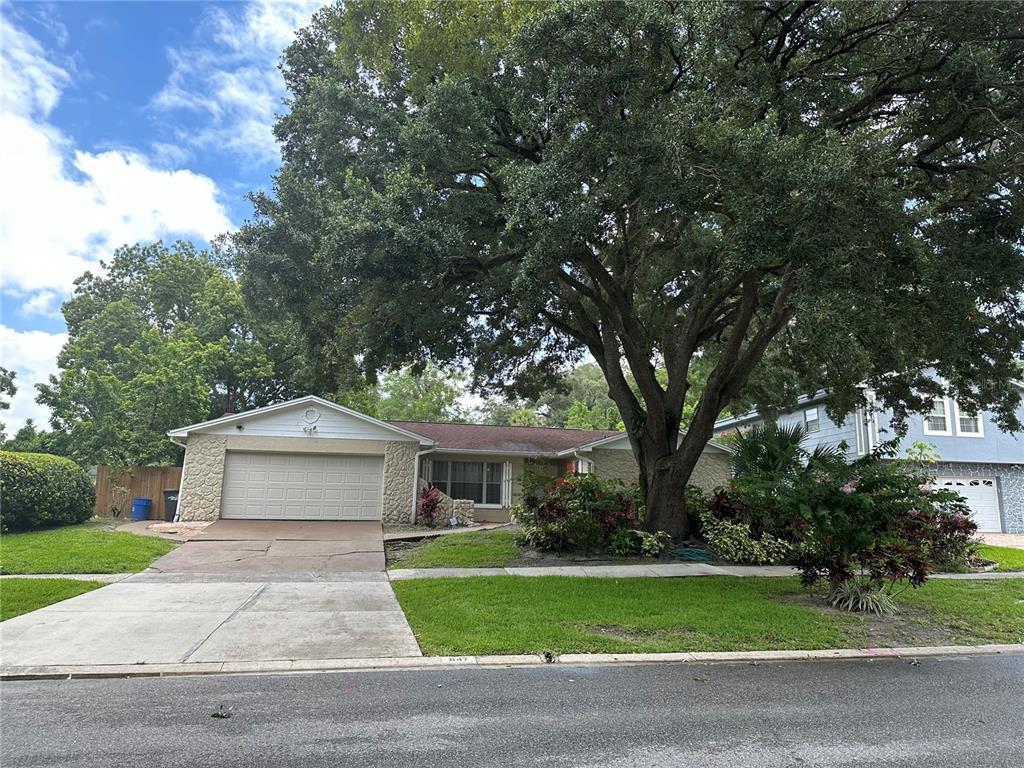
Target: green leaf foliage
{"points": [[162, 339], [42, 491], [795, 196]]}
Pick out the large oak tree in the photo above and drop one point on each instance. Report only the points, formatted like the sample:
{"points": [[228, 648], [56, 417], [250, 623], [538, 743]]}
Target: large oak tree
{"points": [[796, 194]]}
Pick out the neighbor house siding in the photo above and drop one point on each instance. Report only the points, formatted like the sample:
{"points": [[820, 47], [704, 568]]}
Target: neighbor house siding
{"points": [[1009, 482]]}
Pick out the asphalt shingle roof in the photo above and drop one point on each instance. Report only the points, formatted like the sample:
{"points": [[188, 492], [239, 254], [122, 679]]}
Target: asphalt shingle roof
{"points": [[486, 437]]}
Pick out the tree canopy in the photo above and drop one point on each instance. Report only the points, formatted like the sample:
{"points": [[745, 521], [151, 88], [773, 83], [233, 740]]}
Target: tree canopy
{"points": [[797, 195], [160, 340]]}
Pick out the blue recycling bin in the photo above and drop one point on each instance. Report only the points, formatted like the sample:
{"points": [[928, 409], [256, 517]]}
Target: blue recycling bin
{"points": [[140, 508]]}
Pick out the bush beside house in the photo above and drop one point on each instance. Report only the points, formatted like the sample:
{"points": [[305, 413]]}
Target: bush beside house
{"points": [[38, 490], [865, 528], [583, 513]]}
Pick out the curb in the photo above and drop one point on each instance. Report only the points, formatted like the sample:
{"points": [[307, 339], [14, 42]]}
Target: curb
{"points": [[82, 672]]}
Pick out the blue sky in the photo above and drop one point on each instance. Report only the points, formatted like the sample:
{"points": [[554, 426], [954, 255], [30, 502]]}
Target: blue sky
{"points": [[123, 122]]}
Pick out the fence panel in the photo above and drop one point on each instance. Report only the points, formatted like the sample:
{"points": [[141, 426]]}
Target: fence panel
{"points": [[115, 490]]}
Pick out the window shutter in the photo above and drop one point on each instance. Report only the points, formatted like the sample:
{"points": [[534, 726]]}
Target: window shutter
{"points": [[506, 484]]}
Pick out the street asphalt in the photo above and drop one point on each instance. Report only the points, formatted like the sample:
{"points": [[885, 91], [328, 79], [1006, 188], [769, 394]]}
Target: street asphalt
{"points": [[944, 711]]}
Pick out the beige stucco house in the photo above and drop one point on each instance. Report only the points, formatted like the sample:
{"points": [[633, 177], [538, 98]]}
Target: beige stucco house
{"points": [[311, 459]]}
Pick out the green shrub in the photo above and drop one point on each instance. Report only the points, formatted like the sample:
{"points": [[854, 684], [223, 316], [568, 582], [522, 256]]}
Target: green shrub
{"points": [[629, 542], [862, 596], [42, 491], [734, 542], [575, 512], [881, 520]]}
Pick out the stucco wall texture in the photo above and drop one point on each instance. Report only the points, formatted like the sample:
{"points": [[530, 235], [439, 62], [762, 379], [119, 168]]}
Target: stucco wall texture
{"points": [[712, 469], [202, 477]]}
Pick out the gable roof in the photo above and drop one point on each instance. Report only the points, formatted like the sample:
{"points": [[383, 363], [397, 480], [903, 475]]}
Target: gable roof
{"points": [[487, 437], [180, 434]]}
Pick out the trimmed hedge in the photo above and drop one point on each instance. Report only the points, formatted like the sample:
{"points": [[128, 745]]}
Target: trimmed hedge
{"points": [[38, 490]]}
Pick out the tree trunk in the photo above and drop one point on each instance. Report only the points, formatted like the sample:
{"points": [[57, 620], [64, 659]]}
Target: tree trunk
{"points": [[664, 483]]}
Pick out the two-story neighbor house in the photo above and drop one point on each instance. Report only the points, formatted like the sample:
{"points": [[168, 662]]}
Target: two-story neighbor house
{"points": [[978, 460]]}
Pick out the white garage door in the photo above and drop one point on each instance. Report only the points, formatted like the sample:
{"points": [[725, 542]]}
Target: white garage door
{"points": [[296, 486], [982, 497]]}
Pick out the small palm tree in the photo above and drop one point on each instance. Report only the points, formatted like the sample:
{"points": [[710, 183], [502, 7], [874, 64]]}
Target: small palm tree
{"points": [[774, 449]]}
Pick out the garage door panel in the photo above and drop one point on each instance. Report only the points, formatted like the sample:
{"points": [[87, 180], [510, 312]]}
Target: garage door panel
{"points": [[982, 496], [302, 487]]}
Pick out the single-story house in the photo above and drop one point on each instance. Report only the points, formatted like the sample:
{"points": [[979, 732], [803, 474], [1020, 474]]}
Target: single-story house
{"points": [[311, 459]]}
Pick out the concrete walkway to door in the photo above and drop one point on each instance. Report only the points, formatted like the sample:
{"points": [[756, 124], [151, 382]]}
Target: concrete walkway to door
{"points": [[279, 547]]}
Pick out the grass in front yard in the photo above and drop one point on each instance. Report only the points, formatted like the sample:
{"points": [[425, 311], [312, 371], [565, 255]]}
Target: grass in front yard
{"points": [[981, 611], [509, 614], [18, 596], [1009, 558], [479, 549], [519, 614], [79, 549]]}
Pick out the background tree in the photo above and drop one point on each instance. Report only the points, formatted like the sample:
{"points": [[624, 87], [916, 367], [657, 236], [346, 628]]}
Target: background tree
{"points": [[31, 439], [7, 391], [797, 195], [160, 340], [406, 395]]}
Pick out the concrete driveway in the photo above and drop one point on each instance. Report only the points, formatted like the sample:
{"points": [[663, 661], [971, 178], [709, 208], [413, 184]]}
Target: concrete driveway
{"points": [[182, 618], [279, 547]]}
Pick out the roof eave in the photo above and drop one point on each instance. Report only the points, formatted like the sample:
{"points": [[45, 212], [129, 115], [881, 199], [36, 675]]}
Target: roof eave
{"points": [[183, 432]]}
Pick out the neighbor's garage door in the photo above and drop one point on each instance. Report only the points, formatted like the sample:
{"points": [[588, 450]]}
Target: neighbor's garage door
{"points": [[982, 497], [295, 486]]}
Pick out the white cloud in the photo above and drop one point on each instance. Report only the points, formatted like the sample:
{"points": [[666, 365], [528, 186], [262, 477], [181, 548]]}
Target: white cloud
{"points": [[33, 356], [63, 209], [230, 75], [43, 303]]}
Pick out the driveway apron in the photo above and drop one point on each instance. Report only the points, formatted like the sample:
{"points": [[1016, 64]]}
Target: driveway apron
{"points": [[245, 591]]}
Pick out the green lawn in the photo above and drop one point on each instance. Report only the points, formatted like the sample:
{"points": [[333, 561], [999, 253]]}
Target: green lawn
{"points": [[973, 611], [18, 596], [480, 549], [1009, 558], [79, 549], [508, 614]]}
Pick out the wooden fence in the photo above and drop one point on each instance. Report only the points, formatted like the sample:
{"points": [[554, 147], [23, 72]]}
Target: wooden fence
{"points": [[115, 490]]}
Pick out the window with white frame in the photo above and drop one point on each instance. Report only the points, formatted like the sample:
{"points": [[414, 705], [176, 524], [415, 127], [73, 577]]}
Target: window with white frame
{"points": [[969, 424], [479, 481], [811, 422], [936, 422]]}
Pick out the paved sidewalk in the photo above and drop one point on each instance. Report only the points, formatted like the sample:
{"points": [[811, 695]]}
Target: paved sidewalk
{"points": [[669, 570], [656, 570]]}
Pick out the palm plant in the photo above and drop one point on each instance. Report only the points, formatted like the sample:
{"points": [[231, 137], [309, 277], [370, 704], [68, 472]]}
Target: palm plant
{"points": [[777, 450]]}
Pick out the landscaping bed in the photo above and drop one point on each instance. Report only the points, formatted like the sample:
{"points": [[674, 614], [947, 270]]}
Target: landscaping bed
{"points": [[18, 596], [83, 548], [508, 614], [494, 549], [1006, 558]]}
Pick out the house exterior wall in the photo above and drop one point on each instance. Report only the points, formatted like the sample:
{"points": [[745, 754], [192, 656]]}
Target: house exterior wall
{"points": [[614, 463], [480, 513], [995, 446], [399, 465], [290, 422], [203, 473], [1009, 483], [202, 478]]}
